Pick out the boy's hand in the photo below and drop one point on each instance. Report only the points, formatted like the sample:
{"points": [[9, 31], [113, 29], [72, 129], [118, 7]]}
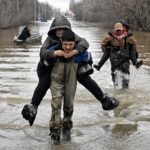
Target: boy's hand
{"points": [[71, 53]]}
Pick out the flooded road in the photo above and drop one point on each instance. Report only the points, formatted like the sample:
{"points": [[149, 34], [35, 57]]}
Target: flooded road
{"points": [[125, 128]]}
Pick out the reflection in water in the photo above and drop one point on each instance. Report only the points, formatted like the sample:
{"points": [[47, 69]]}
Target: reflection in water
{"points": [[122, 129]]}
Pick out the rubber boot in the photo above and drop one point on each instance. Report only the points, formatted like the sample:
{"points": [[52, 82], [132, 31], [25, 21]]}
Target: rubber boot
{"points": [[55, 134], [67, 130]]}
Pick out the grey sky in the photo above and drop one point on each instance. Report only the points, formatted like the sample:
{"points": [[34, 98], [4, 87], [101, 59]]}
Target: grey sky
{"points": [[62, 4]]}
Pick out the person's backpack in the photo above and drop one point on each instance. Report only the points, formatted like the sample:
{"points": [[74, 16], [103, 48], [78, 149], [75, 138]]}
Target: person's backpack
{"points": [[85, 64], [84, 57]]}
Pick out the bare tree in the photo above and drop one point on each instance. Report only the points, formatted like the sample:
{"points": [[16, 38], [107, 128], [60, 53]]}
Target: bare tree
{"points": [[136, 12], [17, 12]]}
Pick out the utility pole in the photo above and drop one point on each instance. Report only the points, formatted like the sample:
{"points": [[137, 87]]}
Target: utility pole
{"points": [[39, 13], [34, 10], [18, 16], [1, 13]]}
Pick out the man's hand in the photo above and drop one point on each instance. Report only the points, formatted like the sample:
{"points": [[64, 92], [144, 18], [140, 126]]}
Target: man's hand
{"points": [[71, 53], [59, 53], [119, 37]]}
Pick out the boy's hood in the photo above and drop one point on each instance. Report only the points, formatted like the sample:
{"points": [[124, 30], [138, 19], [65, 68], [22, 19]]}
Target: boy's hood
{"points": [[58, 23]]}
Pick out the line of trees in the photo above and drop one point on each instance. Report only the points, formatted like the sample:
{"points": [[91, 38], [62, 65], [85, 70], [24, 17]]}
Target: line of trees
{"points": [[19, 12], [136, 12]]}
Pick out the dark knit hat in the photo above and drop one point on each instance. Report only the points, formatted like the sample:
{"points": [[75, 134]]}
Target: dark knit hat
{"points": [[68, 35]]}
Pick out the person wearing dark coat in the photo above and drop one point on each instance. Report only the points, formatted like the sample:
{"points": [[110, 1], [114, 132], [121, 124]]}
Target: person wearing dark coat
{"points": [[24, 34], [132, 45], [120, 51]]}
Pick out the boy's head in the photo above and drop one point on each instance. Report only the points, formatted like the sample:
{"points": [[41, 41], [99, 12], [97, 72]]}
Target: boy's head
{"points": [[59, 32], [60, 22], [68, 40]]}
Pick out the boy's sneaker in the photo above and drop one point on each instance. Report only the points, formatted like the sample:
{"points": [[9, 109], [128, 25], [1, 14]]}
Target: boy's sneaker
{"points": [[139, 64], [29, 112], [97, 67], [109, 103]]}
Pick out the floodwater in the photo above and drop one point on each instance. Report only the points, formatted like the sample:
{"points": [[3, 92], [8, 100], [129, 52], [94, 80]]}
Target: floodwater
{"points": [[125, 128]]}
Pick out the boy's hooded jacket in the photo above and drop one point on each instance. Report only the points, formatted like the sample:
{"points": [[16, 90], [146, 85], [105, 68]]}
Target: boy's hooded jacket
{"points": [[60, 23]]}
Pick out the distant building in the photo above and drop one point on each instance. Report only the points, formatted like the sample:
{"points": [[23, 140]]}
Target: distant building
{"points": [[69, 14]]}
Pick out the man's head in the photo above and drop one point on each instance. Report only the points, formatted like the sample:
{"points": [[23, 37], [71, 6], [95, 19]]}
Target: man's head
{"points": [[118, 29], [68, 40]]}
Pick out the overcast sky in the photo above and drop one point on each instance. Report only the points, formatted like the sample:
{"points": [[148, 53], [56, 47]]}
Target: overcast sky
{"points": [[62, 4]]}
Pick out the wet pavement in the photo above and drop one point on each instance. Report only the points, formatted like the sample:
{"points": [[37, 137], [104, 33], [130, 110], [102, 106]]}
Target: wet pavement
{"points": [[125, 128]]}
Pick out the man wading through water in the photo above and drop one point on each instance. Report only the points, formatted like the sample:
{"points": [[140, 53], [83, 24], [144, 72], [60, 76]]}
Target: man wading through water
{"points": [[120, 51], [25, 34], [63, 86], [133, 53], [58, 26]]}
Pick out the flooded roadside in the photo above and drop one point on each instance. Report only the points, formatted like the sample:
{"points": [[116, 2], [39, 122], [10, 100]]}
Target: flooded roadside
{"points": [[126, 128]]}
